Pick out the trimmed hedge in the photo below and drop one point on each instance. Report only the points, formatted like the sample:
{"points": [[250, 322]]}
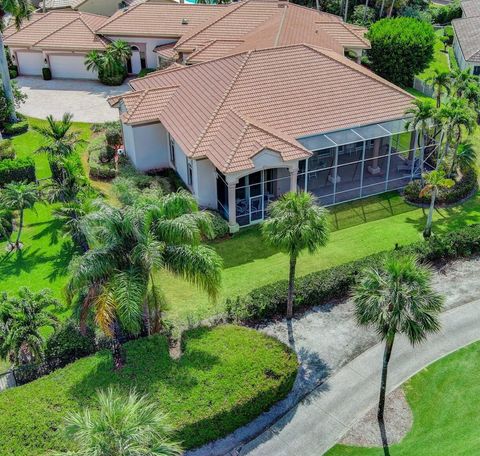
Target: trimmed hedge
{"points": [[18, 170], [461, 190], [6, 150], [220, 225], [320, 287], [14, 129], [47, 74]]}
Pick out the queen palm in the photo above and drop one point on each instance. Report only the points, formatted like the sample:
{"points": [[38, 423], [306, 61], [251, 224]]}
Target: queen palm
{"points": [[461, 79], [115, 279], [18, 197], [71, 214], [19, 10], [397, 298], [465, 157], [295, 223], [121, 425], [440, 81]]}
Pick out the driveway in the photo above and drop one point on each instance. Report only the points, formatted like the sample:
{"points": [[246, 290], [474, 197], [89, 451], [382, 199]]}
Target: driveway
{"points": [[86, 100]]}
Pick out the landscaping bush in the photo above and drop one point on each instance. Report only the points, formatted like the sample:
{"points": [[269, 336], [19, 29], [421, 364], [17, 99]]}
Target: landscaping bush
{"points": [[320, 287], [15, 129], [100, 159], [47, 74], [13, 72], [461, 190], [448, 33], [7, 150], [6, 224], [226, 377], [146, 71], [447, 13], [400, 48], [113, 134], [220, 225], [18, 170], [113, 80]]}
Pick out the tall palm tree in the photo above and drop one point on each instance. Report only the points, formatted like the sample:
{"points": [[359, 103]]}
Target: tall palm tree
{"points": [[115, 279], [18, 197], [19, 10], [461, 79], [22, 319], [435, 180], [440, 81], [296, 223], [121, 425], [68, 185], [397, 298], [72, 214], [465, 157]]}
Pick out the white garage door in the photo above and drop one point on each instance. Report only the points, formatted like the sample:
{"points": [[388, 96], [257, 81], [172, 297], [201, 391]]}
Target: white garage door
{"points": [[70, 67], [30, 63]]}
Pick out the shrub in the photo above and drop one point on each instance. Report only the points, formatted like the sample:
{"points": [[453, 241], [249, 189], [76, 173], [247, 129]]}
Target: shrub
{"points": [[47, 74], [15, 129], [146, 71], [100, 156], [113, 134], [67, 344], [400, 48], [18, 170], [320, 287], [7, 150], [6, 224], [6, 108], [363, 15], [113, 80], [220, 225], [445, 14], [461, 190], [448, 32], [13, 73]]}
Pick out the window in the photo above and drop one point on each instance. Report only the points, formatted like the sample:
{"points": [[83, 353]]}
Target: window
{"points": [[171, 142], [189, 172], [476, 70]]}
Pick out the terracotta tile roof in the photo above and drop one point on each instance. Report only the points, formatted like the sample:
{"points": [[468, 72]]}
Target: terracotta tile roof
{"points": [[69, 30], [214, 50], [158, 19], [167, 51], [316, 91], [467, 32]]}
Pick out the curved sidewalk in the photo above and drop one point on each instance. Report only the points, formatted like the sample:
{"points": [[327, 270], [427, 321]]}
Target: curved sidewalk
{"points": [[319, 421]]}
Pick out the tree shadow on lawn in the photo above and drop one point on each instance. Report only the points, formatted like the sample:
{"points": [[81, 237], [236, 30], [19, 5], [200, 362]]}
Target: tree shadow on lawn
{"points": [[22, 261], [52, 229]]}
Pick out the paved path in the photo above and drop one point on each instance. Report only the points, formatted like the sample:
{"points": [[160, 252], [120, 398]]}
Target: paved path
{"points": [[321, 419], [86, 100]]}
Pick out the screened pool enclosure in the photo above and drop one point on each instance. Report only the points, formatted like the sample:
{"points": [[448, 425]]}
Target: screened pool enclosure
{"points": [[345, 165]]}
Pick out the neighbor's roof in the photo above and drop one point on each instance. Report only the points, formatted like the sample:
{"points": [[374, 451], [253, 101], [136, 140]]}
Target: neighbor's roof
{"points": [[62, 30], [231, 108], [57, 4], [260, 24], [158, 19], [471, 8], [467, 32]]}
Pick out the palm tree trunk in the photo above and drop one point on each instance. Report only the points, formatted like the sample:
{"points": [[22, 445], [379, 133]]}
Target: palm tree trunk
{"points": [[117, 353], [428, 227], [390, 11], [318, 5], [383, 384], [291, 286], [365, 11], [381, 9], [156, 323], [346, 11], [5, 75], [20, 227]]}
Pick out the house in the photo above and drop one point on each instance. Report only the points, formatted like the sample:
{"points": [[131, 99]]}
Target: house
{"points": [[162, 33], [242, 129], [101, 7], [466, 42]]}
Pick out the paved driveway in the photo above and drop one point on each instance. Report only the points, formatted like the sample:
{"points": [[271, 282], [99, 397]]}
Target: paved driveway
{"points": [[86, 100]]}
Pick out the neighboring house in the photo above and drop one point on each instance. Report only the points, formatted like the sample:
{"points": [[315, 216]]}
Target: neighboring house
{"points": [[101, 7], [243, 129], [466, 42]]}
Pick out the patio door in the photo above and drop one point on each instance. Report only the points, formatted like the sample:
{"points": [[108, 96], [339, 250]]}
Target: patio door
{"points": [[256, 208]]}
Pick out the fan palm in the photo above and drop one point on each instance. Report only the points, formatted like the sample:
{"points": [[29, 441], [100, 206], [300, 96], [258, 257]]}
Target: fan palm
{"points": [[295, 223], [21, 321], [440, 81], [122, 426], [115, 279], [435, 180], [19, 10], [18, 197], [397, 298]]}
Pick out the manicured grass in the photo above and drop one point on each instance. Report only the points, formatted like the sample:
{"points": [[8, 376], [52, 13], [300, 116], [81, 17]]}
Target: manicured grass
{"points": [[445, 400], [440, 59], [226, 377], [418, 94]]}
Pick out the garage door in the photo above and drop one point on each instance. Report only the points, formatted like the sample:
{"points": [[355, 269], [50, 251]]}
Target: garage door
{"points": [[70, 67], [30, 63]]}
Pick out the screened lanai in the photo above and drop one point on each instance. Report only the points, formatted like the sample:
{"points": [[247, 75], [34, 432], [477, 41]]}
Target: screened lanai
{"points": [[345, 165]]}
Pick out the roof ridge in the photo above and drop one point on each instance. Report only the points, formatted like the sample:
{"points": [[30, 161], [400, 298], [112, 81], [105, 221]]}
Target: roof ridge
{"points": [[57, 30], [346, 26], [30, 23], [221, 102], [280, 28], [141, 98], [122, 12], [240, 139]]}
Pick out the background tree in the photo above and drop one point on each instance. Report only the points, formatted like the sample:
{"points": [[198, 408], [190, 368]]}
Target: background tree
{"points": [[440, 81], [22, 318], [122, 426], [397, 298], [18, 197], [19, 10], [295, 223], [400, 48]]}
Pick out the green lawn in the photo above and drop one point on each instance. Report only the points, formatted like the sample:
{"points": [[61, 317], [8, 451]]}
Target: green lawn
{"points": [[226, 377], [440, 59], [445, 400]]}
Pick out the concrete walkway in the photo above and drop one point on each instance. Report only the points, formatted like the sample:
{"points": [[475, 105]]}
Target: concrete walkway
{"points": [[86, 100], [321, 419]]}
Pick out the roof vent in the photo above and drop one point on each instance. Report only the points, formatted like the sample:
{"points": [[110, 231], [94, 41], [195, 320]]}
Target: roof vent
{"points": [[282, 3], [184, 21]]}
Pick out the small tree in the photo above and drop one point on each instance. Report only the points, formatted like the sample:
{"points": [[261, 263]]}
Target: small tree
{"points": [[18, 197], [397, 298], [122, 426], [400, 48], [295, 223], [441, 82]]}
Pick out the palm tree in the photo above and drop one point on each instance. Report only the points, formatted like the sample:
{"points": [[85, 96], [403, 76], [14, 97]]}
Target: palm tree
{"points": [[22, 321], [71, 215], [440, 81], [435, 180], [112, 61], [461, 80], [18, 197], [19, 10], [94, 61], [397, 298], [295, 223], [122, 426], [465, 157], [68, 185], [115, 279]]}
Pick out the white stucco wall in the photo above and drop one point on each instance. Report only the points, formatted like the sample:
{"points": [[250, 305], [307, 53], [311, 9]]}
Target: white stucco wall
{"points": [[181, 164], [205, 183], [462, 63], [150, 44], [147, 146]]}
